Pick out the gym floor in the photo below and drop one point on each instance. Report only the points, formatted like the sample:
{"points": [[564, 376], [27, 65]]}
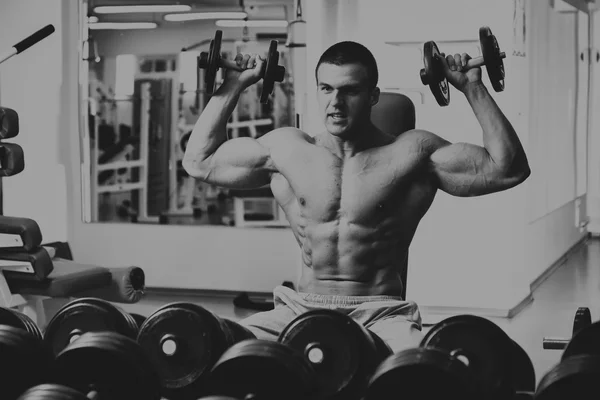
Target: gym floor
{"points": [[576, 283]]}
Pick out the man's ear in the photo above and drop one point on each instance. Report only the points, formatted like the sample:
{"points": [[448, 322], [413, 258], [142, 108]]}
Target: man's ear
{"points": [[375, 96]]}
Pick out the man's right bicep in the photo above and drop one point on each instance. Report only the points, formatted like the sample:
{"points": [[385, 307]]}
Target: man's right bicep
{"points": [[241, 163]]}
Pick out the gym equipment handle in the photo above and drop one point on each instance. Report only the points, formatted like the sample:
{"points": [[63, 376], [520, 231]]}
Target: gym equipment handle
{"points": [[554, 343], [34, 38], [28, 42]]}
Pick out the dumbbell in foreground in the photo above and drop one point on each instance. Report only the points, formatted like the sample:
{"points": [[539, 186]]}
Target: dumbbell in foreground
{"points": [[24, 358], [87, 315], [183, 341], [106, 366], [263, 370], [433, 76], [577, 375], [343, 353], [212, 61], [25, 361], [52, 391], [465, 356]]}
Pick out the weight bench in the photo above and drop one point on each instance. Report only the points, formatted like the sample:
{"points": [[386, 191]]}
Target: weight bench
{"points": [[37, 278]]}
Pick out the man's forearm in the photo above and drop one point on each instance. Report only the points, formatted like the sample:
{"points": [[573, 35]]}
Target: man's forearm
{"points": [[499, 137], [210, 131]]}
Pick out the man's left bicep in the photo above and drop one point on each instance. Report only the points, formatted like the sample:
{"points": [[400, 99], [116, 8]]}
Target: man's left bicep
{"points": [[465, 170]]}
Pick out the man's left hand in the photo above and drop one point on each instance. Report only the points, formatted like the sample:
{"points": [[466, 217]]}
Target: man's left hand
{"points": [[453, 70]]}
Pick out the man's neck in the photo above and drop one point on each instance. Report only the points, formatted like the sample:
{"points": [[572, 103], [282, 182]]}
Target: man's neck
{"points": [[354, 142]]}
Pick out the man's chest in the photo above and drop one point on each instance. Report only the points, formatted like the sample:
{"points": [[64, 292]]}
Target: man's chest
{"points": [[363, 189]]}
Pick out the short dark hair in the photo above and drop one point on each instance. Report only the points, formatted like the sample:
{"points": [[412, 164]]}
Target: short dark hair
{"points": [[348, 52]]}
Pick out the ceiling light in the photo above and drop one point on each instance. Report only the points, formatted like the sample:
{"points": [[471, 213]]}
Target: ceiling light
{"points": [[252, 24], [141, 9], [123, 25], [204, 15], [92, 19]]}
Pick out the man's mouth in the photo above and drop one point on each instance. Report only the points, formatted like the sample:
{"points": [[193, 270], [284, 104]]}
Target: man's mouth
{"points": [[337, 116]]}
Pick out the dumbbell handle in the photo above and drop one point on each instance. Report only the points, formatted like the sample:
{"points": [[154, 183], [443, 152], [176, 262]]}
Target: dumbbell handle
{"points": [[228, 64], [223, 63], [550, 343], [479, 62]]}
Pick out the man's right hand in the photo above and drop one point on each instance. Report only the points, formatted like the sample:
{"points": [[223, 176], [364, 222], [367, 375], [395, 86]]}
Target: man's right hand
{"points": [[253, 67]]}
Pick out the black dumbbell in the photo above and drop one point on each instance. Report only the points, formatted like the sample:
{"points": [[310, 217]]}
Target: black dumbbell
{"points": [[53, 391], [574, 377], [212, 61], [87, 315], [183, 341], [582, 319], [433, 76], [424, 373], [500, 366], [25, 359], [261, 369], [107, 365], [343, 353]]}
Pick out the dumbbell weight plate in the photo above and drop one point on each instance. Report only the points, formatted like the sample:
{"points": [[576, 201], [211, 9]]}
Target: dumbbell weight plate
{"points": [[129, 327], [8, 317], [573, 378], [423, 373], [52, 392], [266, 370], [19, 320], [24, 361], [583, 319], [109, 363], [433, 74], [183, 341], [584, 342], [212, 63], [86, 315], [272, 72], [491, 55], [139, 319], [341, 351], [523, 372], [486, 346]]}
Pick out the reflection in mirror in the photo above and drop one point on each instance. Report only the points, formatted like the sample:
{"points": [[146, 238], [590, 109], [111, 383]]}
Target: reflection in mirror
{"points": [[146, 93]]}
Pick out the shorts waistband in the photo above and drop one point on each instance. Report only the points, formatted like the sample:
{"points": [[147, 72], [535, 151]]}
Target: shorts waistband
{"points": [[337, 300]]}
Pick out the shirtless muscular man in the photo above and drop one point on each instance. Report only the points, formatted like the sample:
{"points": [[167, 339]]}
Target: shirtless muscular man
{"points": [[353, 195]]}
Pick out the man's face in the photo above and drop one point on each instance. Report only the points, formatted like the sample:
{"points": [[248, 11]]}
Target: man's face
{"points": [[344, 97]]}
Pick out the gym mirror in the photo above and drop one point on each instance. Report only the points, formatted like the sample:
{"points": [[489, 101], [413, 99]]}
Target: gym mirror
{"points": [[143, 93]]}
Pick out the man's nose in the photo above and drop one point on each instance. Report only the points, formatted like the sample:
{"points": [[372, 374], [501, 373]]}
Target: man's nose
{"points": [[336, 98]]}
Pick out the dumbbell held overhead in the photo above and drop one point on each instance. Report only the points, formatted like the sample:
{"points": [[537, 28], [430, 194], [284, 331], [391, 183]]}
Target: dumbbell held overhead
{"points": [[211, 61], [472, 63], [433, 75]]}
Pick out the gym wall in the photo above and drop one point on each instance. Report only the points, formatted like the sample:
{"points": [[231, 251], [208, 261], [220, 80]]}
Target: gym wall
{"points": [[32, 84], [594, 154], [495, 254]]}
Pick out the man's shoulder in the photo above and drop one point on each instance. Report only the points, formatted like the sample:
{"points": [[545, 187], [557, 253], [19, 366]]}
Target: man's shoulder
{"points": [[422, 139], [286, 135]]}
